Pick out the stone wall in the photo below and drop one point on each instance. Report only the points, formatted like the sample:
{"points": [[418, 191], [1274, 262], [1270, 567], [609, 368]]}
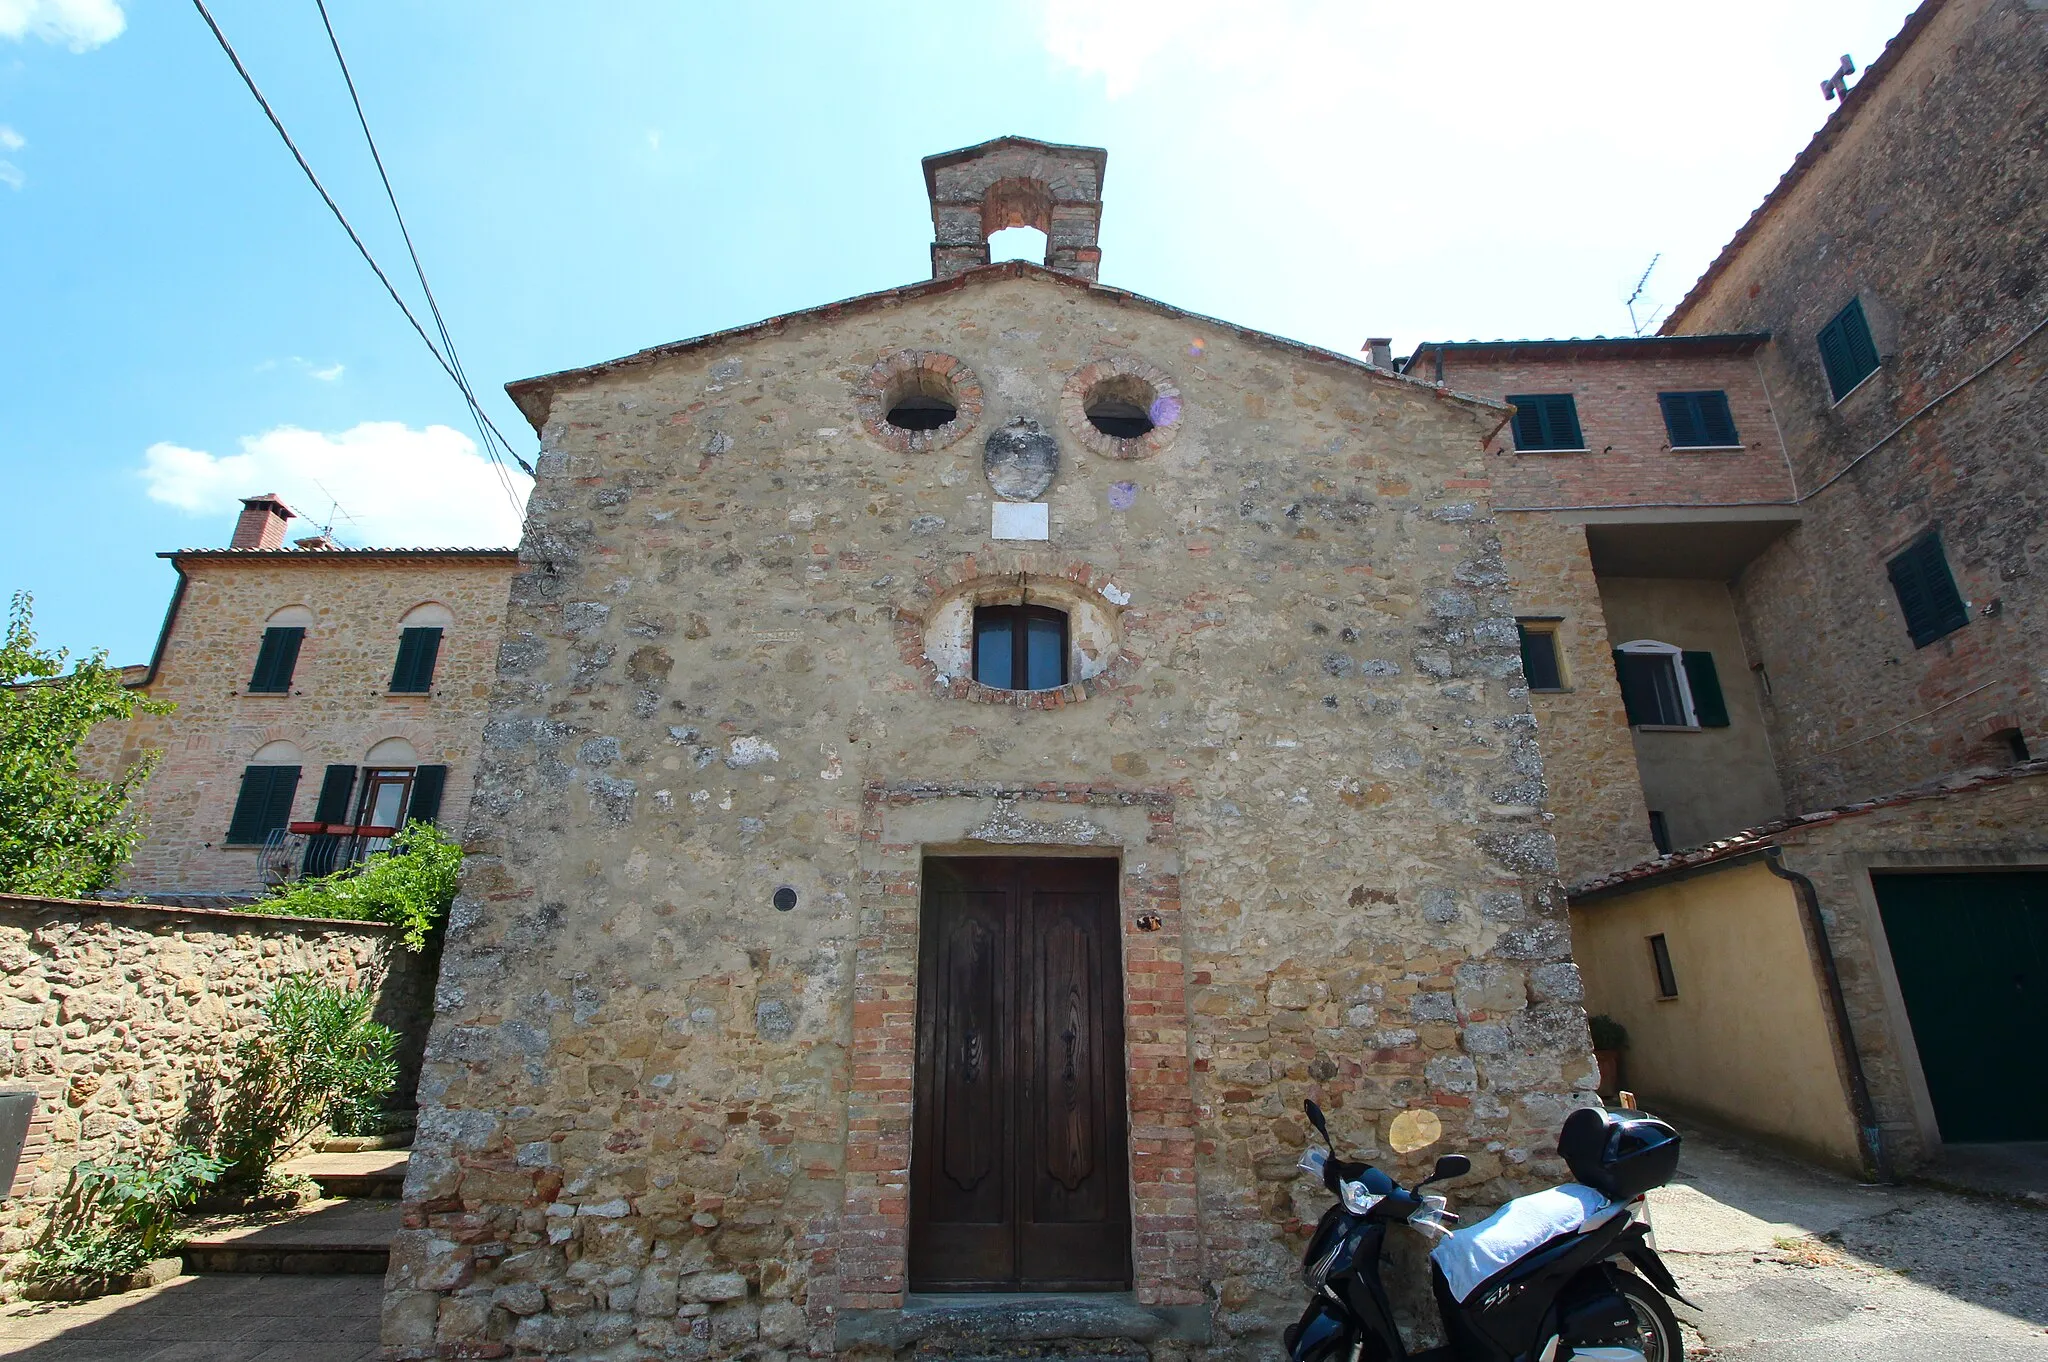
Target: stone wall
{"points": [[340, 705], [1922, 199], [657, 1112], [1596, 795], [122, 1017]]}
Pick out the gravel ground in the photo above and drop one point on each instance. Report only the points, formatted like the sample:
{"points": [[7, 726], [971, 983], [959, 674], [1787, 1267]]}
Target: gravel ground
{"points": [[1789, 1263]]}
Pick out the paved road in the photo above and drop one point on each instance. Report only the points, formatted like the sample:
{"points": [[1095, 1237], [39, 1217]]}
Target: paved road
{"points": [[1789, 1264], [228, 1318]]}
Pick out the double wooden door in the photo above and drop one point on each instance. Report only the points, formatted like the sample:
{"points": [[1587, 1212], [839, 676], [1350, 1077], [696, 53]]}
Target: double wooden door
{"points": [[1019, 1166]]}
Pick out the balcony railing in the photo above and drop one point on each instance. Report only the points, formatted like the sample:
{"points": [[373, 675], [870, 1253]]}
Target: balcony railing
{"points": [[309, 850]]}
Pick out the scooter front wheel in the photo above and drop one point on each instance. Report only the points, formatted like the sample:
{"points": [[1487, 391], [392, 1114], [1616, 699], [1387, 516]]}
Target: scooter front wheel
{"points": [[1657, 1335]]}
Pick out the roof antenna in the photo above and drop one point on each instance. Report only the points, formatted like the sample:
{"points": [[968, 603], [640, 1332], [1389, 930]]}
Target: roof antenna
{"points": [[1837, 85], [1647, 322], [334, 508]]}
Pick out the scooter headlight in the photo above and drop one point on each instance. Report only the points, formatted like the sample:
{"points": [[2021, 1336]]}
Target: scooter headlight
{"points": [[1356, 1199]]}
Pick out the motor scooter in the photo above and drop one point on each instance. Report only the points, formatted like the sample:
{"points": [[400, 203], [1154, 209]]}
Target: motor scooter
{"points": [[1541, 1280]]}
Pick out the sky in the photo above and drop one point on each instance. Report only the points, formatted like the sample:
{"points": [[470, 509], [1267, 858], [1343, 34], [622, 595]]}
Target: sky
{"points": [[182, 323]]}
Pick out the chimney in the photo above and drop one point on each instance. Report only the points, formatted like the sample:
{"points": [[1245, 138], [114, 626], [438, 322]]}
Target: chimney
{"points": [[1016, 182], [261, 525], [1379, 351]]}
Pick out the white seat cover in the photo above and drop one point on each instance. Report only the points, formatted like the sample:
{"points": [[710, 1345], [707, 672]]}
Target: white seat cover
{"points": [[1473, 1254]]}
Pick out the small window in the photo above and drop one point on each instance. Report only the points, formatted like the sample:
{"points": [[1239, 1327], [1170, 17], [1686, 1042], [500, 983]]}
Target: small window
{"points": [[1927, 591], [1547, 421], [1846, 350], [386, 792], [921, 411], [1667, 687], [1020, 647], [1660, 960], [1542, 662], [1660, 832], [417, 651], [276, 660], [264, 805], [1698, 420]]}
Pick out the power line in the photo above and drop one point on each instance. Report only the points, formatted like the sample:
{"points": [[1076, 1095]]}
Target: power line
{"points": [[486, 428], [342, 218]]}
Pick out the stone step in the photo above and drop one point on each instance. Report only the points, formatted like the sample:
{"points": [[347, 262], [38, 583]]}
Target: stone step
{"points": [[374, 1173], [343, 1237]]}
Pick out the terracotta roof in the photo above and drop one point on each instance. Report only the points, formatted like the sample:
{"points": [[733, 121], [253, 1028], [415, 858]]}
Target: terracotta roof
{"points": [[1845, 113], [1600, 347], [532, 394], [351, 555], [1752, 840]]}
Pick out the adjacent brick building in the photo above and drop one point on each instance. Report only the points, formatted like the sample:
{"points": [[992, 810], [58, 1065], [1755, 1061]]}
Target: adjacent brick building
{"points": [[324, 696], [1011, 707]]}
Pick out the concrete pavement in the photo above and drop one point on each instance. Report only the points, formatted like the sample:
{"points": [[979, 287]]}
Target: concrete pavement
{"points": [[1790, 1264], [232, 1318]]}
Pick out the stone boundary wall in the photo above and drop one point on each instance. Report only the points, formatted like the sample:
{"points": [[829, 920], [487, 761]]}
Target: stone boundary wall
{"points": [[122, 1017]]}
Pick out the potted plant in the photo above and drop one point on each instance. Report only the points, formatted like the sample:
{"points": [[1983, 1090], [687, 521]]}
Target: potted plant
{"points": [[1610, 1038]]}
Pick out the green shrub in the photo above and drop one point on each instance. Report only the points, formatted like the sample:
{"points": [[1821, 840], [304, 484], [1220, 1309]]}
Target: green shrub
{"points": [[318, 1053], [409, 886], [118, 1215], [1608, 1034]]}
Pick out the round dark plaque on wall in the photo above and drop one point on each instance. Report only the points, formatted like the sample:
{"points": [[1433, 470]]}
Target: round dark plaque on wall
{"points": [[1021, 460]]}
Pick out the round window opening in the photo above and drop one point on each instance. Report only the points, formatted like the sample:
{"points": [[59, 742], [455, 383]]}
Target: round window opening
{"points": [[926, 403], [1124, 407]]}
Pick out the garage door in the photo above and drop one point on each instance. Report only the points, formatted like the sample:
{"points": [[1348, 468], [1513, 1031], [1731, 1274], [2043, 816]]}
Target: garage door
{"points": [[1971, 952]]}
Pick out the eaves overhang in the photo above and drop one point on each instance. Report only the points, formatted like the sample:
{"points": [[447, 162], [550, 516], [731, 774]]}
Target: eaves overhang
{"points": [[1734, 343], [534, 396]]}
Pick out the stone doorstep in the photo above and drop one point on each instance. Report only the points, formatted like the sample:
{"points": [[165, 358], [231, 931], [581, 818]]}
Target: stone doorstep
{"points": [[944, 1322], [332, 1237], [378, 1174]]}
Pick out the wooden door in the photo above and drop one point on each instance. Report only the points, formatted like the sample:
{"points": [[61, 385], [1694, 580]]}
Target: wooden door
{"points": [[1019, 1166], [1971, 952]]}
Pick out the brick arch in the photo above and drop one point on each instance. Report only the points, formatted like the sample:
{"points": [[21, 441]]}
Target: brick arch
{"points": [[1162, 399], [913, 615], [893, 374]]}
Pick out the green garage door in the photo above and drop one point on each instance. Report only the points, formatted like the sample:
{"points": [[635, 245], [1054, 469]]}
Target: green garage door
{"points": [[1971, 951]]}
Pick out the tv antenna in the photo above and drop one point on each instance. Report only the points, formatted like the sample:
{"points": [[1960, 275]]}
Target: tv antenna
{"points": [[334, 508], [1837, 85], [1645, 323]]}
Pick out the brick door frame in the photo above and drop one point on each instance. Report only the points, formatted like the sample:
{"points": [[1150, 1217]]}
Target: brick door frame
{"points": [[865, 1269]]}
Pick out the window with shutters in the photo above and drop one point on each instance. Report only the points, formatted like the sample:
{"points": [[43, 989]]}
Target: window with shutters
{"points": [[1542, 658], [417, 651], [1547, 421], [276, 660], [1846, 350], [1664, 686], [1699, 420], [1927, 592], [1020, 647], [264, 805]]}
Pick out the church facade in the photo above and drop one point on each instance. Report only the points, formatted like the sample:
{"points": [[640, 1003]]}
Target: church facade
{"points": [[965, 764]]}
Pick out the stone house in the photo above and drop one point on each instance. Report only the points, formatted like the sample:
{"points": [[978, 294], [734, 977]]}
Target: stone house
{"points": [[324, 697], [966, 762], [1825, 477]]}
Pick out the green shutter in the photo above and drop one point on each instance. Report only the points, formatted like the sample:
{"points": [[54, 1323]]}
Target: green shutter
{"points": [[1708, 708], [427, 784], [276, 660], [1547, 421], [417, 651], [1927, 592], [1698, 420], [265, 803], [1629, 699], [1680, 419], [1847, 351], [336, 785], [1717, 423]]}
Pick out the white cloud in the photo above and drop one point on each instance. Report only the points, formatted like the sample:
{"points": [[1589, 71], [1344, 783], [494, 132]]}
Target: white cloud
{"points": [[331, 374], [11, 176], [398, 486], [10, 140], [79, 24]]}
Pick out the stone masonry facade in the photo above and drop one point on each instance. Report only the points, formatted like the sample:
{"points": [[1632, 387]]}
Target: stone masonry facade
{"points": [[1921, 200], [121, 1019], [661, 1117], [339, 706]]}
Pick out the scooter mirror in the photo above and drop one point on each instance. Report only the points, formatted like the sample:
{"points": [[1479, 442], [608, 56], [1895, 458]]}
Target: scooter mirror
{"points": [[1315, 1118], [1449, 1166]]}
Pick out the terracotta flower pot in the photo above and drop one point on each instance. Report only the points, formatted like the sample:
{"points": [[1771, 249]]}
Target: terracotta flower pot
{"points": [[1610, 1071]]}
